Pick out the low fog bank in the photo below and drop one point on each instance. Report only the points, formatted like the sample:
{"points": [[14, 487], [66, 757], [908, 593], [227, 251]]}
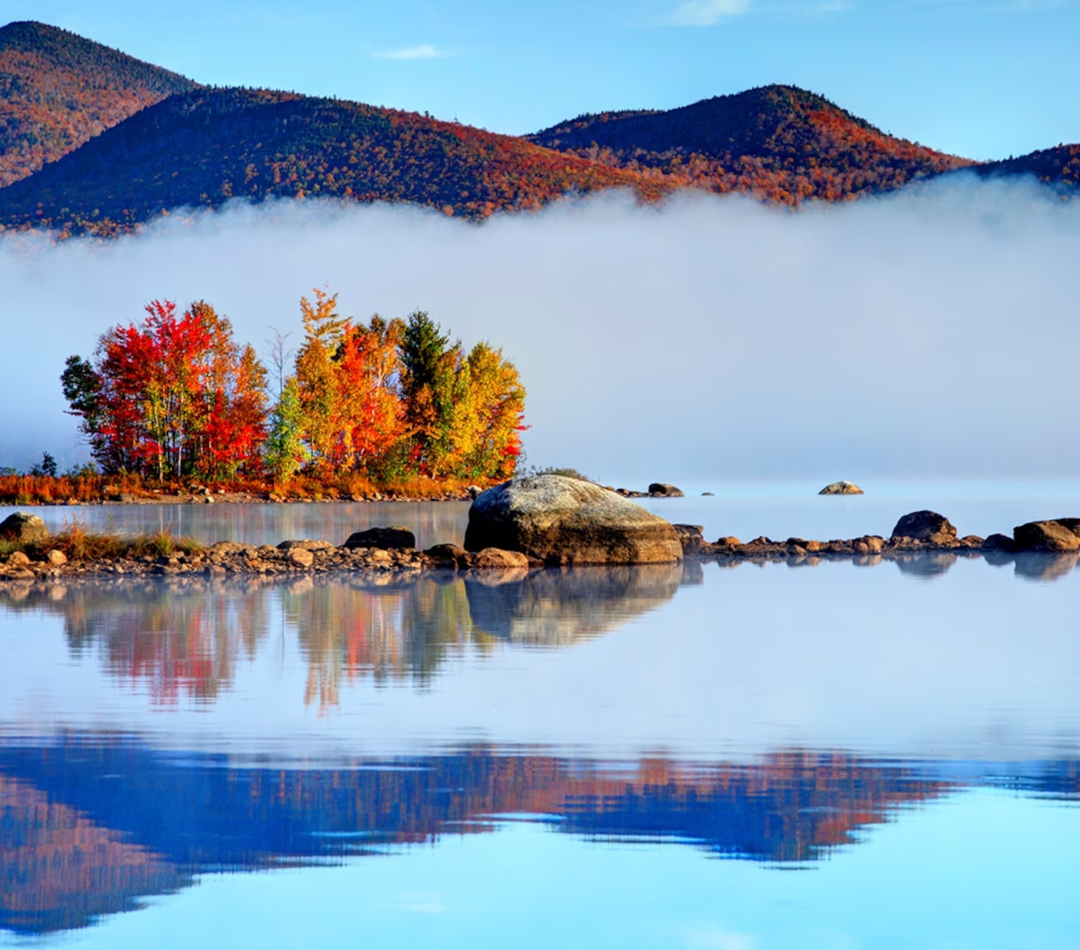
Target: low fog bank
{"points": [[929, 333]]}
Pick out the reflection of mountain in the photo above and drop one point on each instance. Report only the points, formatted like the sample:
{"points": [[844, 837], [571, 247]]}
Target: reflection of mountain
{"points": [[59, 870], [555, 608], [188, 638], [152, 819]]}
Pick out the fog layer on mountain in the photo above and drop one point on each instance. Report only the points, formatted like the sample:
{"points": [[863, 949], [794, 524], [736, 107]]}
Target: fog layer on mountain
{"points": [[928, 333]]}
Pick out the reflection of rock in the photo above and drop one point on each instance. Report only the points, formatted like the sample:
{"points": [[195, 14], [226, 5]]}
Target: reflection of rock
{"points": [[567, 521], [841, 488], [24, 528], [1047, 536], [555, 607], [926, 565], [1044, 567]]}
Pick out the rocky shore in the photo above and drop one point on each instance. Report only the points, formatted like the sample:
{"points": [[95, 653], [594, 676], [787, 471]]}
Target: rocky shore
{"points": [[536, 522]]}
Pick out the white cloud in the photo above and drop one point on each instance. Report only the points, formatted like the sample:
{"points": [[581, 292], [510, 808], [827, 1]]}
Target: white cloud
{"points": [[711, 12], [707, 12], [423, 51]]}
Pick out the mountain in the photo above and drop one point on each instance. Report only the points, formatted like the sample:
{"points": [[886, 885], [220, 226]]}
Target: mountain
{"points": [[778, 142], [1053, 166], [58, 90], [203, 147]]}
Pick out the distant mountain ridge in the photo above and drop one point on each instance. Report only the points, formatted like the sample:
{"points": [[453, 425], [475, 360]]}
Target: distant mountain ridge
{"points": [[95, 141], [779, 142], [201, 148], [58, 90]]}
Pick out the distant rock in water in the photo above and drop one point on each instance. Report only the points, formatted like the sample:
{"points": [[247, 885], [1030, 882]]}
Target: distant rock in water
{"points": [[562, 520], [926, 526], [24, 528], [1052, 537], [841, 488], [662, 490]]}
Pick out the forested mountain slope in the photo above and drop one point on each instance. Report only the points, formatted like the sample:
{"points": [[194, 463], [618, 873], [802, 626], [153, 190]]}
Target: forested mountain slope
{"points": [[778, 142], [203, 147], [1058, 166], [58, 90]]}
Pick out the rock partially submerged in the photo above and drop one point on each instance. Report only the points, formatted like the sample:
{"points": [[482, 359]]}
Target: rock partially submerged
{"points": [[395, 537], [841, 488], [22, 528], [1047, 537], [561, 520], [663, 490], [927, 526]]}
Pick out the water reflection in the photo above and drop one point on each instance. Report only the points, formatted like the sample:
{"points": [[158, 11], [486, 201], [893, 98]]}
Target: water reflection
{"points": [[90, 823], [186, 637]]}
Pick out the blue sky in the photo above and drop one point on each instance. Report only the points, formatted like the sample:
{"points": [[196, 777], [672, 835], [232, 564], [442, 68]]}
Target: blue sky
{"points": [[982, 78]]}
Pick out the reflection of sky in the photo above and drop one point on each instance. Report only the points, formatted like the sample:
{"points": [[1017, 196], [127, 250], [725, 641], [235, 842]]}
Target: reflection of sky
{"points": [[982, 869]]}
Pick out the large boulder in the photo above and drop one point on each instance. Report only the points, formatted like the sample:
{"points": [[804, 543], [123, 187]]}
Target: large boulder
{"points": [[563, 520], [1045, 536], [841, 488], [385, 538], [926, 526], [23, 528]]}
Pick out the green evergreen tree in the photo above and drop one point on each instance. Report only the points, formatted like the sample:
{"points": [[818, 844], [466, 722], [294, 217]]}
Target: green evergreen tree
{"points": [[285, 449]]}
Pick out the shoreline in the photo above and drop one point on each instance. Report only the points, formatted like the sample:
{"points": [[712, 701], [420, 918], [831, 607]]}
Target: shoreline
{"points": [[290, 560]]}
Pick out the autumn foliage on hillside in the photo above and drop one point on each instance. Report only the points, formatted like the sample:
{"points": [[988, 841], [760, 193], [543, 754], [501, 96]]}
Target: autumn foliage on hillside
{"points": [[58, 90], [1053, 166], [176, 397], [776, 142], [205, 147]]}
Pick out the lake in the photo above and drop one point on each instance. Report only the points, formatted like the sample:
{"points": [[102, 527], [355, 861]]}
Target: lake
{"points": [[757, 756]]}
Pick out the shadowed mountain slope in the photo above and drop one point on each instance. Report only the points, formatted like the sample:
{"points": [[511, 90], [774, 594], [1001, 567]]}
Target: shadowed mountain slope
{"points": [[58, 90], [204, 147], [777, 142], [1053, 166]]}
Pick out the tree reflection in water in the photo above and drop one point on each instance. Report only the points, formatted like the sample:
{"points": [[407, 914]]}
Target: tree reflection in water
{"points": [[186, 638]]}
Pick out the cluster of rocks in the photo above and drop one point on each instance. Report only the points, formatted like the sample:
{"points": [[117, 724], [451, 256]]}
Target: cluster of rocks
{"points": [[916, 532], [655, 490], [525, 523]]}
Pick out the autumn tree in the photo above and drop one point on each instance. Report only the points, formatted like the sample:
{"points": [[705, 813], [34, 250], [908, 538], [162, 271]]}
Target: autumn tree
{"points": [[174, 395]]}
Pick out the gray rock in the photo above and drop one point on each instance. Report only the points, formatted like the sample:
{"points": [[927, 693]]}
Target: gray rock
{"points": [[662, 490], [385, 538], [307, 544], [1045, 536], [841, 488], [563, 520], [927, 526], [24, 528]]}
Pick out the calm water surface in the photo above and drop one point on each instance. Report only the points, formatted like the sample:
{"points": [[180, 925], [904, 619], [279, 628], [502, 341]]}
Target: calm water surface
{"points": [[772, 756]]}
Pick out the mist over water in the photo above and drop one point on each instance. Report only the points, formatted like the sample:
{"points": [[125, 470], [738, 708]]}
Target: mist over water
{"points": [[928, 333]]}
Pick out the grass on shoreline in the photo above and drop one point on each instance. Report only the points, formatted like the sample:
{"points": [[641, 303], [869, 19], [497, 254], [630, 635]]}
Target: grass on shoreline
{"points": [[78, 544], [93, 488]]}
